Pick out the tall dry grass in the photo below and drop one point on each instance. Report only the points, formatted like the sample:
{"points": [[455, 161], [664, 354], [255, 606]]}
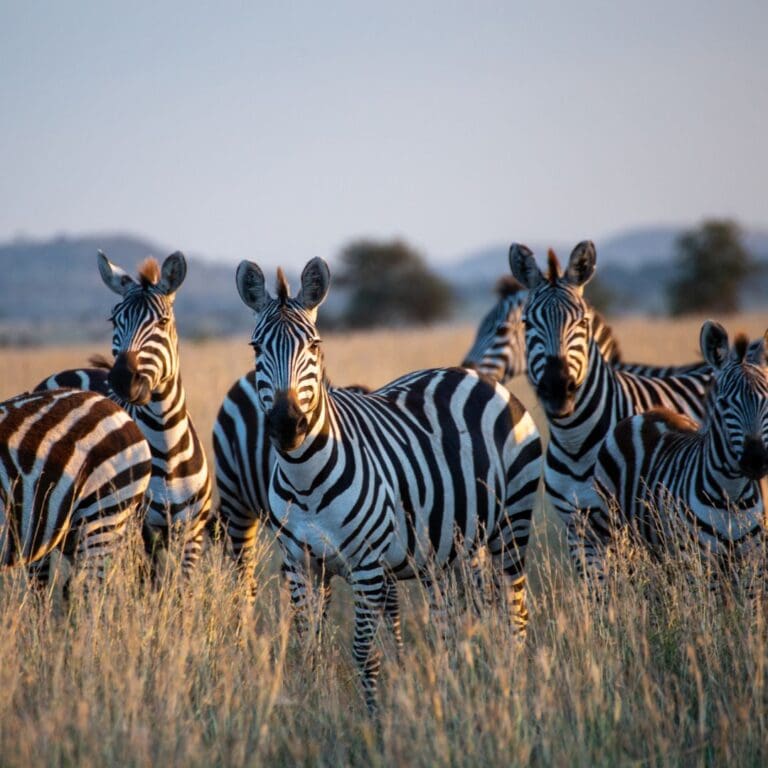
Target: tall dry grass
{"points": [[661, 673]]}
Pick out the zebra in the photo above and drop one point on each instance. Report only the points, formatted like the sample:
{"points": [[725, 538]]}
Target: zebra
{"points": [[74, 468], [499, 350], [382, 487], [582, 396], [674, 484], [144, 379]]}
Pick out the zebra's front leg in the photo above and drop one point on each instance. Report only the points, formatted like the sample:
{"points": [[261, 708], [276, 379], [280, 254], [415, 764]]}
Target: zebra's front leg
{"points": [[392, 613], [508, 548], [587, 551], [310, 597], [242, 533], [369, 587], [39, 574]]}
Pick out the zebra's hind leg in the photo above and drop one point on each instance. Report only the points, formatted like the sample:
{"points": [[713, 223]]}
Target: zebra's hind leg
{"points": [[392, 613], [369, 586]]}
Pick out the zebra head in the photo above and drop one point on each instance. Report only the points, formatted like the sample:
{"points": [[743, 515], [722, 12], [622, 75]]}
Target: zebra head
{"points": [[558, 324], [144, 339], [738, 403], [499, 347], [289, 358]]}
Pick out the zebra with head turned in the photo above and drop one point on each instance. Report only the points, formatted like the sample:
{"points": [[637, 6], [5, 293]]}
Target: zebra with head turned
{"points": [[73, 469], [674, 484], [583, 396], [384, 486], [145, 380]]}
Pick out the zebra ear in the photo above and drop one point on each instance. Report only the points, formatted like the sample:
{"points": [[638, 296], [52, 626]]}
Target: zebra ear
{"points": [[315, 280], [172, 274], [250, 285], [523, 266], [714, 343], [581, 265], [114, 278]]}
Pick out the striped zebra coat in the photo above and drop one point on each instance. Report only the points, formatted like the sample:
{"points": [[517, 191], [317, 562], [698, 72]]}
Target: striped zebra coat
{"points": [[683, 488], [383, 486], [145, 380], [582, 396], [73, 469]]}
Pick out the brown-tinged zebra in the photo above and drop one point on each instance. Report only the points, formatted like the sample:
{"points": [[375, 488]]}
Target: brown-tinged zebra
{"points": [[74, 468], [681, 487], [145, 380], [583, 397], [384, 486]]}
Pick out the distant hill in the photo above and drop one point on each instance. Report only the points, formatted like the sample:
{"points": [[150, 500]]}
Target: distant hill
{"points": [[51, 292]]}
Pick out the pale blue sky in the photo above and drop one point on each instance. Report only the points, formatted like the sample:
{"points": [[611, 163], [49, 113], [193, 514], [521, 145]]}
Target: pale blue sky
{"points": [[277, 131]]}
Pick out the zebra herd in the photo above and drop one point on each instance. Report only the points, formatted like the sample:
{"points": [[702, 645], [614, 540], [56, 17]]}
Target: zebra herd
{"points": [[439, 466]]}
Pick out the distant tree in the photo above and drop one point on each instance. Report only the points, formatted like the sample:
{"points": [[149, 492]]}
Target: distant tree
{"points": [[712, 264], [390, 284]]}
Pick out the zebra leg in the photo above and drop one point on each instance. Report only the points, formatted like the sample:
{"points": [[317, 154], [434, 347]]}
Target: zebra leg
{"points": [[369, 586], [392, 614], [242, 532], [438, 607], [39, 574], [193, 547], [587, 551], [508, 547]]}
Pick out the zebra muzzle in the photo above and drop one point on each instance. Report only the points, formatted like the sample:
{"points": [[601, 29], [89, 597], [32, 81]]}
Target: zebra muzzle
{"points": [[556, 387], [126, 381], [286, 423], [754, 458]]}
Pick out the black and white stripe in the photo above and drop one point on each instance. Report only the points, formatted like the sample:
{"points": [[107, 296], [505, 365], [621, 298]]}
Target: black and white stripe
{"points": [[681, 488], [73, 469], [144, 379], [383, 486], [583, 396]]}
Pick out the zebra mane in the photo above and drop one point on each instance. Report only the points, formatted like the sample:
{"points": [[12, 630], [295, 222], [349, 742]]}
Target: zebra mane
{"points": [[554, 266], [508, 286], [99, 361], [740, 346], [149, 272], [282, 286]]}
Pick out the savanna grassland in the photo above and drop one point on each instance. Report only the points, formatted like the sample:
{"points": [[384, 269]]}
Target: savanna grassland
{"points": [[659, 674]]}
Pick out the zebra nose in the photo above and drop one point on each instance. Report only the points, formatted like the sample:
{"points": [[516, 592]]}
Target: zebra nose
{"points": [[754, 458], [286, 423], [125, 381], [571, 385]]}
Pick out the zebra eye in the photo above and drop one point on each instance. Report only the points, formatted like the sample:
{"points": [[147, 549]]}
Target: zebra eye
{"points": [[256, 347], [163, 321], [503, 328], [314, 345]]}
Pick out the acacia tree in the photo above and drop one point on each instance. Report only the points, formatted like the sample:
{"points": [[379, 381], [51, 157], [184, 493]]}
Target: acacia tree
{"points": [[712, 264], [390, 284]]}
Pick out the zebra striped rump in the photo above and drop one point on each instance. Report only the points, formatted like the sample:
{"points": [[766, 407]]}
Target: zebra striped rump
{"points": [[73, 469]]}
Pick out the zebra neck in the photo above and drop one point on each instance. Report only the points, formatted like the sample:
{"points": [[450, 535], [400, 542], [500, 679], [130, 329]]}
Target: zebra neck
{"points": [[592, 404], [164, 419], [722, 482]]}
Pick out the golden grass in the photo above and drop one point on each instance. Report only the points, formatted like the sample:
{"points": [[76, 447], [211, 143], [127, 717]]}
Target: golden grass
{"points": [[660, 674]]}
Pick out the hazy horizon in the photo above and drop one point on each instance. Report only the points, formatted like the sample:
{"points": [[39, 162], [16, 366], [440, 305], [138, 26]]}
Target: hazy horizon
{"points": [[278, 133]]}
